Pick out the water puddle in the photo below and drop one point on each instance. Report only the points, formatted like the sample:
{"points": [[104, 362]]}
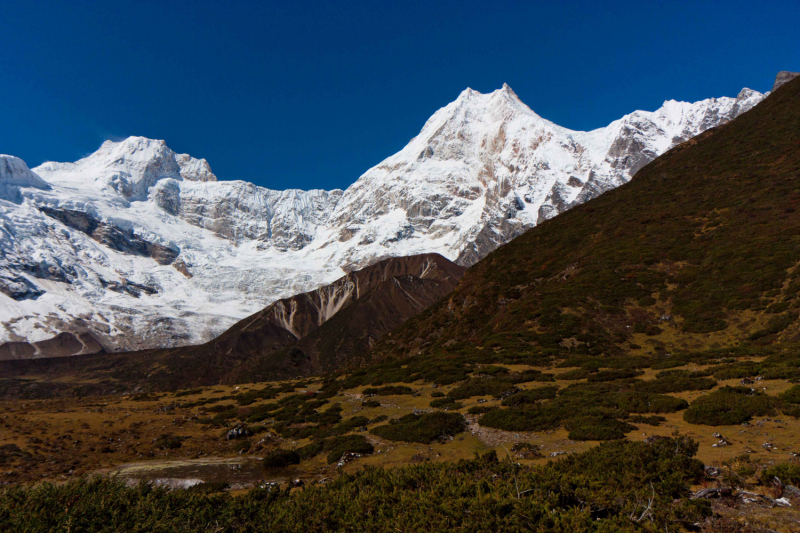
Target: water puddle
{"points": [[239, 473]]}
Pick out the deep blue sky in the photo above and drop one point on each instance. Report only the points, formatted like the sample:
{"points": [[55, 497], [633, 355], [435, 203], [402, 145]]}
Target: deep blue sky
{"points": [[312, 94]]}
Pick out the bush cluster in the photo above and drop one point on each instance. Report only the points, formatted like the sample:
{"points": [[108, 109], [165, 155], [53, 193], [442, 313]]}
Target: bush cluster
{"points": [[424, 428], [531, 396], [446, 403], [281, 458], [338, 446], [388, 390], [598, 490], [596, 428], [728, 406], [168, 442], [481, 387]]}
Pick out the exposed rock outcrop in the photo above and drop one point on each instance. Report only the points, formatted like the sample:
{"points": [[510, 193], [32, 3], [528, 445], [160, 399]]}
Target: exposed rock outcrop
{"points": [[784, 76]]}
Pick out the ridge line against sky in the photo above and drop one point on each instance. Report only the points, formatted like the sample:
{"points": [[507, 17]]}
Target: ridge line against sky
{"points": [[312, 94]]}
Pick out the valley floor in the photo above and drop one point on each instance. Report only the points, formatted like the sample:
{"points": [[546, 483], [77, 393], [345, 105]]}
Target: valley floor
{"points": [[184, 439]]}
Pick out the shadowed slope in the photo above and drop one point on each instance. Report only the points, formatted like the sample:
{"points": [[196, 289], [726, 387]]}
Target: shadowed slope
{"points": [[699, 250], [313, 332]]}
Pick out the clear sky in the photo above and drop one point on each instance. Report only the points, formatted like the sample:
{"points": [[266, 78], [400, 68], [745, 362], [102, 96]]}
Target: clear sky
{"points": [[312, 94]]}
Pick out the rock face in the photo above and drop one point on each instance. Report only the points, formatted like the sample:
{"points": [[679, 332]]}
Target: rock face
{"points": [[325, 328], [144, 248], [784, 76]]}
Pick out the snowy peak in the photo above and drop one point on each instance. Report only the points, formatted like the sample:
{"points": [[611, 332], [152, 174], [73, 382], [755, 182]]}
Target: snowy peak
{"points": [[143, 247], [131, 167], [127, 168], [14, 174]]}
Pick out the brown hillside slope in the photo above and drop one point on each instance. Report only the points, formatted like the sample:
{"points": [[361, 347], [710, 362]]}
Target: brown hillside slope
{"points": [[313, 332], [700, 250]]}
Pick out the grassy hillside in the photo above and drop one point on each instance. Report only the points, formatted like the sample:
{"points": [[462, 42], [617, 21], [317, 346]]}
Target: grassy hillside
{"points": [[699, 251]]}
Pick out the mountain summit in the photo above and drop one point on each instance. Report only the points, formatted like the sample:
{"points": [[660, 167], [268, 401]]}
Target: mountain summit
{"points": [[697, 252], [143, 247]]}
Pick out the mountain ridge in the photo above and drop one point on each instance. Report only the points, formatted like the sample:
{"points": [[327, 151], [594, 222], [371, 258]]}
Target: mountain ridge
{"points": [[697, 252], [142, 247], [309, 333]]}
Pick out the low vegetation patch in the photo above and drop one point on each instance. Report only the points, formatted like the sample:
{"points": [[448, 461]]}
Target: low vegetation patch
{"points": [[338, 446], [281, 458], [481, 387], [446, 403], [598, 490], [389, 390], [787, 473], [424, 428], [653, 420], [792, 395], [531, 396], [597, 428], [613, 375], [676, 381], [168, 442], [516, 419], [728, 406]]}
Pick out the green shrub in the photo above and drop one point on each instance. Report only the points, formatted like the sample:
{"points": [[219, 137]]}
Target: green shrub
{"points": [[281, 458], [531, 396], [744, 369], [788, 473], [491, 370], [792, 395], [597, 428], [578, 373], [639, 402], [208, 487], [613, 375], [350, 424], [389, 390], [424, 428], [590, 492], [221, 408], [675, 382], [729, 406], [168, 442], [370, 403], [189, 392], [480, 387], [309, 450], [338, 446], [791, 410], [515, 419], [481, 409], [446, 403], [437, 394], [527, 450], [528, 375], [775, 325], [654, 420]]}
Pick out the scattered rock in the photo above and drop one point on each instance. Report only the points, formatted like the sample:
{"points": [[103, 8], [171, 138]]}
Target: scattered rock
{"points": [[238, 432]]}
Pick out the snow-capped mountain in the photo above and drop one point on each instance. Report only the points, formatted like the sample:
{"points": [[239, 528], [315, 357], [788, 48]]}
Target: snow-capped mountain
{"points": [[143, 247]]}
